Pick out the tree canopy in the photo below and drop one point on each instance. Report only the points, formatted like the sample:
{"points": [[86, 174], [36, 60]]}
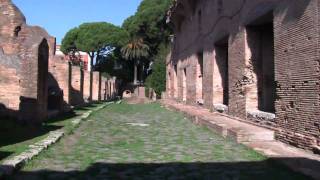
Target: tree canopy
{"points": [[69, 41], [94, 37], [149, 23], [157, 80], [135, 49], [141, 37], [98, 39]]}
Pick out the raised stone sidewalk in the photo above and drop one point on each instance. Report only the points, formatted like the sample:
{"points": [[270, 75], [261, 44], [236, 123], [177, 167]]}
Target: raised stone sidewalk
{"points": [[257, 138], [16, 162]]}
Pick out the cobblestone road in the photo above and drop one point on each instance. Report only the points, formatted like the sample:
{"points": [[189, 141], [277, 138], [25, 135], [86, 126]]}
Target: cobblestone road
{"points": [[148, 142]]}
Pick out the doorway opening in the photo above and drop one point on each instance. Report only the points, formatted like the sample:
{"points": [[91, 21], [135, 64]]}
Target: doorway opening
{"points": [[199, 77], [221, 71], [260, 39]]}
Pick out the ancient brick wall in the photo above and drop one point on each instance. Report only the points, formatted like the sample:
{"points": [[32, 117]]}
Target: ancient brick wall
{"points": [[86, 85], [59, 82], [111, 89], [77, 80], [96, 86], [9, 89], [32, 79], [297, 72], [104, 88], [260, 61], [28, 49]]}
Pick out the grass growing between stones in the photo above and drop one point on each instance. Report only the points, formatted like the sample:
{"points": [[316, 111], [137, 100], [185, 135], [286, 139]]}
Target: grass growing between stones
{"points": [[15, 138], [148, 142]]}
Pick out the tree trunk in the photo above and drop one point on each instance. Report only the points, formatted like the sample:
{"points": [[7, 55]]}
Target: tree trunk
{"points": [[135, 81]]}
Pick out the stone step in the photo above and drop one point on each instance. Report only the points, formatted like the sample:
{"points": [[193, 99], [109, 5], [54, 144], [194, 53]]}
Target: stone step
{"points": [[239, 131], [227, 127]]}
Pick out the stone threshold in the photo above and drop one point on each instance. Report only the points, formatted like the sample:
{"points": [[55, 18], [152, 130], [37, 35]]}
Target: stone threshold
{"points": [[8, 167], [255, 137]]}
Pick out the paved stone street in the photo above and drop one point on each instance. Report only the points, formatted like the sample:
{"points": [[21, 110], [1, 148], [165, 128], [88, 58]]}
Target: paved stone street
{"points": [[148, 142]]}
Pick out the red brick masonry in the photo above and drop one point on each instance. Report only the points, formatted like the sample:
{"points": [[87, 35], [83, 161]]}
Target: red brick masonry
{"points": [[33, 81], [253, 59]]}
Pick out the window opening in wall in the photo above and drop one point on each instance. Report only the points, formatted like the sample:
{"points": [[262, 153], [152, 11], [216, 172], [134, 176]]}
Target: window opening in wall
{"points": [[260, 38], [16, 31], [222, 62]]}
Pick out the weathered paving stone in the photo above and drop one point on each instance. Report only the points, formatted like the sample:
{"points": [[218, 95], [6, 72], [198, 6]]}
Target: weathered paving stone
{"points": [[169, 148]]}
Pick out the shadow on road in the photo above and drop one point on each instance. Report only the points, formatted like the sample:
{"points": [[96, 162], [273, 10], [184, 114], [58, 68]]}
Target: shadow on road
{"points": [[262, 170]]}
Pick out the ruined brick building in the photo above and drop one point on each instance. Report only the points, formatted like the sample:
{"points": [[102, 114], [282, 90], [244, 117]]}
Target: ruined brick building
{"points": [[257, 60], [33, 81]]}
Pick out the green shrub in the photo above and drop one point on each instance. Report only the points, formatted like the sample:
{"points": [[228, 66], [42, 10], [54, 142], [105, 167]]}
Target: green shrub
{"points": [[147, 91], [157, 80]]}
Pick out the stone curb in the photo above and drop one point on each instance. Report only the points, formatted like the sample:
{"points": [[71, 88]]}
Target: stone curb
{"points": [[8, 167]]}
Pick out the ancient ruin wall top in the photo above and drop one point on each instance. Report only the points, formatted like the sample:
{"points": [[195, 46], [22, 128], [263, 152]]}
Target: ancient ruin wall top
{"points": [[17, 39], [15, 34], [10, 18]]}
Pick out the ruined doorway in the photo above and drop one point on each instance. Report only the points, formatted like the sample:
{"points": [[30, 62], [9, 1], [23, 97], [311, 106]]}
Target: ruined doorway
{"points": [[184, 84], [199, 77], [260, 39], [55, 94], [221, 71]]}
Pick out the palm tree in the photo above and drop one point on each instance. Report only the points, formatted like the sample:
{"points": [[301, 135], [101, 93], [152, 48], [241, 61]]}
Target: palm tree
{"points": [[135, 50]]}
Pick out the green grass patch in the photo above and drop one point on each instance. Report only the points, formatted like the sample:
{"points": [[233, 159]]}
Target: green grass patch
{"points": [[15, 138]]}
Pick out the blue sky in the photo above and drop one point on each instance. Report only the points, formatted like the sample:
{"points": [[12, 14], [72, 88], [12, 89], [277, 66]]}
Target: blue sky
{"points": [[58, 16]]}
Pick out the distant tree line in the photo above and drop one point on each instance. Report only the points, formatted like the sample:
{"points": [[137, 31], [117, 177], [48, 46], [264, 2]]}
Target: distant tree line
{"points": [[141, 43]]}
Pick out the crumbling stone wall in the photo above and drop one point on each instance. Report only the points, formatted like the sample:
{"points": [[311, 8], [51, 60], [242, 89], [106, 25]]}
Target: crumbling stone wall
{"points": [[29, 52], [104, 88], [113, 87], [86, 86], [32, 79], [282, 91], [59, 85], [172, 78], [10, 89], [96, 88], [76, 97]]}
